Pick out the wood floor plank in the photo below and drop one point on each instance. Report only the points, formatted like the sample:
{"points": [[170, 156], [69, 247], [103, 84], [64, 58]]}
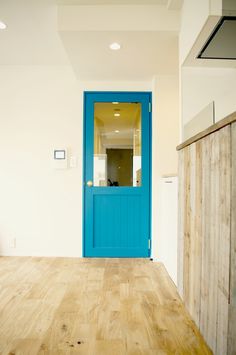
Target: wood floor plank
{"points": [[92, 307]]}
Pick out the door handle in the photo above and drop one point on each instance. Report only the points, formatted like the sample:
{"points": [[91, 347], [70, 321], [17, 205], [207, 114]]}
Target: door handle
{"points": [[89, 183]]}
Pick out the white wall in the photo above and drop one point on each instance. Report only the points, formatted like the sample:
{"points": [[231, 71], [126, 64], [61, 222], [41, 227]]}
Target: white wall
{"points": [[42, 109], [200, 86], [39, 206], [115, 85], [167, 247], [165, 133]]}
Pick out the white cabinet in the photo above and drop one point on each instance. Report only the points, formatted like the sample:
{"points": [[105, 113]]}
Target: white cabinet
{"points": [[168, 225]]}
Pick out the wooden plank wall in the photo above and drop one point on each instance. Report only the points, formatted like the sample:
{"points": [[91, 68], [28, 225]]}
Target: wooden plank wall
{"points": [[225, 180], [204, 234], [181, 196], [232, 305]]}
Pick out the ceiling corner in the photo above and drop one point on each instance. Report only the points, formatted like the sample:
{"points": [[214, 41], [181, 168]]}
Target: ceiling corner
{"points": [[175, 4]]}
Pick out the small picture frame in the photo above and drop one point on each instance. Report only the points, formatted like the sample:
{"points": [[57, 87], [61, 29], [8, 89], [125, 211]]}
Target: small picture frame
{"points": [[60, 154]]}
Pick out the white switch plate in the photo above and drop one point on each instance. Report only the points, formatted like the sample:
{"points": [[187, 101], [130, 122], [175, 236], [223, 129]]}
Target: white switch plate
{"points": [[12, 243], [73, 161]]}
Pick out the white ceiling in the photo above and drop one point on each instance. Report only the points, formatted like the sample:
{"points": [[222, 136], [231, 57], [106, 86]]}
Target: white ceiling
{"points": [[112, 2], [142, 55], [32, 38]]}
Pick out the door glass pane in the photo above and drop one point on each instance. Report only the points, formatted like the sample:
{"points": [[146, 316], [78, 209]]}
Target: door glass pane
{"points": [[117, 144]]}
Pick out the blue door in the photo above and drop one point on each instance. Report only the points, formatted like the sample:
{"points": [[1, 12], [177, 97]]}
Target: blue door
{"points": [[117, 174]]}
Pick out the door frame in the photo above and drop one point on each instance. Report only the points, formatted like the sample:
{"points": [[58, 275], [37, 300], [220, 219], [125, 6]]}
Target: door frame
{"points": [[85, 93]]}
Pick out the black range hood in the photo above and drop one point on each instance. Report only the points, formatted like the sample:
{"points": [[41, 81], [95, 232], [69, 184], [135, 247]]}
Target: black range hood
{"points": [[222, 42]]}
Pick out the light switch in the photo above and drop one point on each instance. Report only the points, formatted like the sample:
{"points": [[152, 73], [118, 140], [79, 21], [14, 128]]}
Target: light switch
{"points": [[73, 161]]}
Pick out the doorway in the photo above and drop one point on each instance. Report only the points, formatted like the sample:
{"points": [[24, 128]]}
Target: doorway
{"points": [[117, 145]]}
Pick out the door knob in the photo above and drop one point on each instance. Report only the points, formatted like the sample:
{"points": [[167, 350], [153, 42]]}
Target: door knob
{"points": [[89, 183]]}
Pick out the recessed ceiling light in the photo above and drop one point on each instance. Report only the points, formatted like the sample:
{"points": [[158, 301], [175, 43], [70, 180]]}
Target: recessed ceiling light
{"points": [[3, 26], [116, 131], [115, 103], [115, 46], [117, 114]]}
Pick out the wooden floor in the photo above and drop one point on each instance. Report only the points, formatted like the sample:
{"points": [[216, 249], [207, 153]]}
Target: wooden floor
{"points": [[92, 306]]}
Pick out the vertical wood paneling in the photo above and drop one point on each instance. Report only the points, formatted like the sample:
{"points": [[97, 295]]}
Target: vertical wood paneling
{"points": [[232, 305], [213, 251], [187, 216], [196, 237], [205, 200], [191, 233], [205, 231], [224, 239], [205, 319], [181, 194]]}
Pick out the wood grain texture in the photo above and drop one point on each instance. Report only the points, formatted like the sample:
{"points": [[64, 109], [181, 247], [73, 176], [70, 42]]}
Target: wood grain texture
{"points": [[213, 242], [187, 214], [224, 206], [217, 126], [207, 231], [206, 228], [195, 239], [181, 198], [197, 236], [92, 306], [232, 298]]}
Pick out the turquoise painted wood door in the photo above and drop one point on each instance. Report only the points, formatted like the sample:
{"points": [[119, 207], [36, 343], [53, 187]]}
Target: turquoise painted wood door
{"points": [[117, 174]]}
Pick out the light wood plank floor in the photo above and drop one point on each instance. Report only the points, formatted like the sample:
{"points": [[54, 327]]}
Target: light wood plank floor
{"points": [[92, 306]]}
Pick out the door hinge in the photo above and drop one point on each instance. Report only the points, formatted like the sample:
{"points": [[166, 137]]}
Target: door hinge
{"points": [[150, 107], [149, 243]]}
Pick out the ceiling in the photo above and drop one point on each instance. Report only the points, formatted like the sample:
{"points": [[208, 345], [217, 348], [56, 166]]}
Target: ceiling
{"points": [[126, 123], [32, 37], [143, 54], [112, 2], [104, 112]]}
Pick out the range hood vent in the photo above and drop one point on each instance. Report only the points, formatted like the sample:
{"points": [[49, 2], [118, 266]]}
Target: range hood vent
{"points": [[222, 42]]}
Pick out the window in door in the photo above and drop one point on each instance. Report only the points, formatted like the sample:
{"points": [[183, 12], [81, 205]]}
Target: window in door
{"points": [[117, 144]]}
